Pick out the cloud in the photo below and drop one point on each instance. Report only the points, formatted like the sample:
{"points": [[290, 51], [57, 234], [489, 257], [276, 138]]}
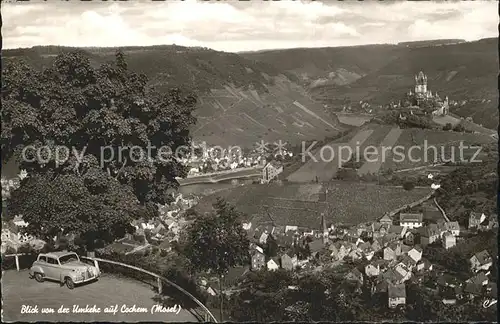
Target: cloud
{"points": [[241, 26]]}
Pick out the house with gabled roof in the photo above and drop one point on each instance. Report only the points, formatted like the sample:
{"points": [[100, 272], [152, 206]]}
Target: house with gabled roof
{"points": [[339, 250], [453, 228], [489, 223], [286, 262], [355, 254], [491, 291], [258, 259], [424, 265], [475, 219], [372, 269], [416, 253], [449, 240], [392, 251], [355, 275], [473, 290], [403, 271], [379, 229], [271, 171], [405, 248], [398, 230], [263, 238], [386, 219], [447, 280], [396, 295], [410, 237], [389, 238], [411, 220], [315, 246], [429, 234], [376, 245], [481, 278], [272, 265], [408, 262], [481, 261]]}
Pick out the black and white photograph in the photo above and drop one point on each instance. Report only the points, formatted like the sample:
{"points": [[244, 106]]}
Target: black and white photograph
{"points": [[249, 161]]}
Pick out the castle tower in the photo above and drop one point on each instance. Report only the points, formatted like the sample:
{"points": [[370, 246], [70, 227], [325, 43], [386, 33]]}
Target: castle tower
{"points": [[420, 83]]}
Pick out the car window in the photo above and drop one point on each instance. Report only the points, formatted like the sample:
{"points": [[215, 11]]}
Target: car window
{"points": [[42, 259], [51, 261], [68, 258]]}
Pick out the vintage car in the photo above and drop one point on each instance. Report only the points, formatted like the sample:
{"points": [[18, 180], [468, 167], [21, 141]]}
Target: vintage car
{"points": [[64, 267]]}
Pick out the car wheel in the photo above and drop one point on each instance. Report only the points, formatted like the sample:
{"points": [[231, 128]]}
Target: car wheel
{"points": [[38, 277], [69, 283]]}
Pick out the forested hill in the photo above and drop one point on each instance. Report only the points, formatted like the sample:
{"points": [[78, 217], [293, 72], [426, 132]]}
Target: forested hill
{"points": [[194, 68], [464, 71], [240, 101]]}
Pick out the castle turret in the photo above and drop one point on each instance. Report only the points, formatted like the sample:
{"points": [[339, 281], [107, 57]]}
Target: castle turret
{"points": [[421, 83]]}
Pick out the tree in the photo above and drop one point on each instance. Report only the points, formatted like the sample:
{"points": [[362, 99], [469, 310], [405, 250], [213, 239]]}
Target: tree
{"points": [[91, 117], [271, 247], [448, 127], [217, 242], [459, 128]]}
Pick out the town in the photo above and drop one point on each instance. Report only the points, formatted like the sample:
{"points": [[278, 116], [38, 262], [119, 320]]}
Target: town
{"points": [[325, 170]]}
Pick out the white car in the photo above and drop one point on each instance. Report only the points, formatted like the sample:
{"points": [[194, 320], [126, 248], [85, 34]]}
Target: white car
{"points": [[64, 267]]}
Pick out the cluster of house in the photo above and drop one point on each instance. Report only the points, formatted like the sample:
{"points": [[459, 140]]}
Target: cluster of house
{"points": [[481, 222], [13, 236], [8, 185], [393, 250], [215, 160], [162, 230], [452, 290]]}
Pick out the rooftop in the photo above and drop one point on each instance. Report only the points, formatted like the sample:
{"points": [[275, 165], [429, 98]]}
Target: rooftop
{"points": [[483, 257], [404, 217], [397, 291]]}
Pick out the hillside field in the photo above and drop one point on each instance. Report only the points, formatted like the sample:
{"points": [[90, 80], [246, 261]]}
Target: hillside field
{"points": [[411, 153], [297, 204]]}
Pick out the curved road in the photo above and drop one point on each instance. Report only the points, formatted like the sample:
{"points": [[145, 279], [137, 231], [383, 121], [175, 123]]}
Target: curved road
{"points": [[19, 290]]}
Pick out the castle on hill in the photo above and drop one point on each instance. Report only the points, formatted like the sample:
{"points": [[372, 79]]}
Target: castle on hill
{"points": [[423, 98]]}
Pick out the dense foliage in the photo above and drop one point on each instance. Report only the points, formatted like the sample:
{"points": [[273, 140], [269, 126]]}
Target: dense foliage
{"points": [[217, 242], [267, 296], [408, 120], [91, 116], [472, 187]]}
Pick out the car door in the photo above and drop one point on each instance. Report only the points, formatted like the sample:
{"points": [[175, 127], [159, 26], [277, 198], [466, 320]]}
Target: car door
{"points": [[52, 268]]}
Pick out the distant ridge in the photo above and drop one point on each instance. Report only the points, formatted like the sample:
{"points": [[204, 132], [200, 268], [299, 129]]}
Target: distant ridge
{"points": [[241, 101]]}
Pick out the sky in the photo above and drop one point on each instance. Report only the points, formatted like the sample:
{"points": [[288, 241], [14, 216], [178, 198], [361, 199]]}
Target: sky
{"points": [[234, 26]]}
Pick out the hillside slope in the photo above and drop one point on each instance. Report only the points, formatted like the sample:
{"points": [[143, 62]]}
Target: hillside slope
{"points": [[466, 72], [241, 101], [317, 67], [396, 148]]}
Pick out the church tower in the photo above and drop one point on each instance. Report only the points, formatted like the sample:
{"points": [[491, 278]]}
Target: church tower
{"points": [[420, 84], [325, 229]]}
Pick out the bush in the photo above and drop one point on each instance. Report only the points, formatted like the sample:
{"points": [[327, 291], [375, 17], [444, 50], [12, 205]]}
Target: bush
{"points": [[347, 174], [408, 185], [459, 128], [26, 248], [8, 263], [139, 238], [448, 127]]}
